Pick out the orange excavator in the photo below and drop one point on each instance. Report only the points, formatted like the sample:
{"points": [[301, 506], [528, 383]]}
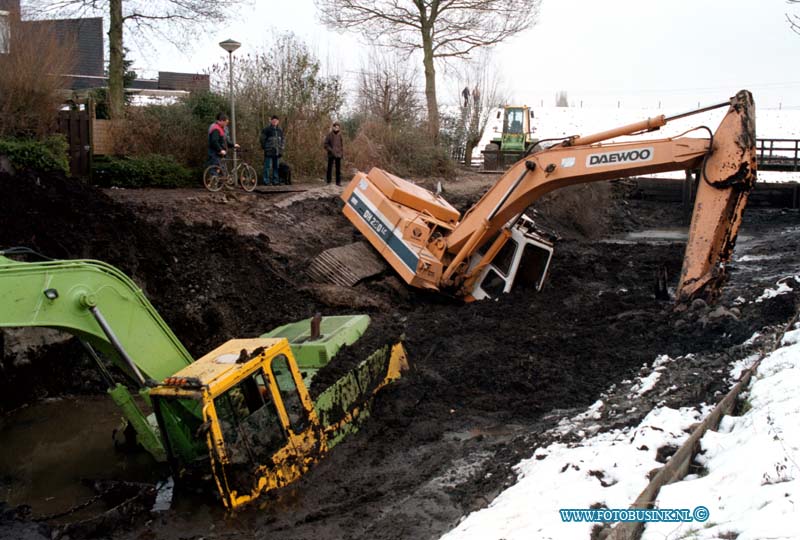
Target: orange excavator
{"points": [[494, 245]]}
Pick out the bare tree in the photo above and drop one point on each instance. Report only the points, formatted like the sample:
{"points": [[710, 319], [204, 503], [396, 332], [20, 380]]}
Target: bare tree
{"points": [[481, 93], [387, 89], [170, 19], [561, 99], [441, 29], [794, 20]]}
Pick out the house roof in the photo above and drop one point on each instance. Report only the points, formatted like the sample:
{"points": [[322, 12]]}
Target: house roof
{"points": [[86, 35], [9, 5]]}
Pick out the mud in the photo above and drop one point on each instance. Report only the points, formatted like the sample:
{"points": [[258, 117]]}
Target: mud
{"points": [[488, 379]]}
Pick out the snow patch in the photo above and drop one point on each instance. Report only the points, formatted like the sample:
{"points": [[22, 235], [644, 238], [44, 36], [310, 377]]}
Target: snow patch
{"points": [[610, 468], [646, 384], [739, 366], [782, 288], [752, 485]]}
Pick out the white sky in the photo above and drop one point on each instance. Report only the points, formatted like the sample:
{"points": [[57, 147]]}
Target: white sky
{"points": [[641, 52]]}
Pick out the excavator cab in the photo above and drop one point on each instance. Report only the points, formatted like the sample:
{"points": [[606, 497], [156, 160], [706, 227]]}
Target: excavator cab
{"points": [[256, 421], [523, 261]]}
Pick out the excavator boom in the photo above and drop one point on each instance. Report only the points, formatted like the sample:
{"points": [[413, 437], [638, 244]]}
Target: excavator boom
{"points": [[432, 246]]}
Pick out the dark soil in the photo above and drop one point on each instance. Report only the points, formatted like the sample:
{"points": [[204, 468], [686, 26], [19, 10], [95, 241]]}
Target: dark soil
{"points": [[208, 283], [487, 378]]}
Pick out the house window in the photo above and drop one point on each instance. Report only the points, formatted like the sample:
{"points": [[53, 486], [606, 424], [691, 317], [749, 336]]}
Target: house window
{"points": [[5, 31]]}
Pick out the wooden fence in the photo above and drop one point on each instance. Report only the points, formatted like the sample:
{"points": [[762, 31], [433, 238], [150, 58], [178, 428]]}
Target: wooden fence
{"points": [[77, 128], [778, 154]]}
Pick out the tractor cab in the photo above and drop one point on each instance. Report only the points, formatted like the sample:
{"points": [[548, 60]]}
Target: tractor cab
{"points": [[516, 138], [517, 128], [245, 406]]}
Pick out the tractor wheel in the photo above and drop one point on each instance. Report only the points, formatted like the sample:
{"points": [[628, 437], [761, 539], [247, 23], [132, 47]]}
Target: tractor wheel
{"points": [[491, 161]]}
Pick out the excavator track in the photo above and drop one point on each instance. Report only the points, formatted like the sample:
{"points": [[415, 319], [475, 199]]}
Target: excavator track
{"points": [[345, 265]]}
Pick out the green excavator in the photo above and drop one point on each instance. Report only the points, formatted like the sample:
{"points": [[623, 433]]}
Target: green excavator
{"points": [[242, 411]]}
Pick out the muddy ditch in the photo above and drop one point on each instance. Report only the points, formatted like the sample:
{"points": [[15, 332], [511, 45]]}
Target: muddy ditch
{"points": [[487, 378]]}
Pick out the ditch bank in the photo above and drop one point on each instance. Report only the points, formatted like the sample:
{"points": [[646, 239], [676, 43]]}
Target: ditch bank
{"points": [[486, 377]]}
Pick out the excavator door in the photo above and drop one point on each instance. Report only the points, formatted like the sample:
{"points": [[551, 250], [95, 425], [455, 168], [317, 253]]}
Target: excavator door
{"points": [[523, 261]]}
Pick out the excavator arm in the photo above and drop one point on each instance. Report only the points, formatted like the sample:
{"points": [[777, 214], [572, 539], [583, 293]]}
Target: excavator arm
{"points": [[99, 304], [432, 246], [109, 313]]}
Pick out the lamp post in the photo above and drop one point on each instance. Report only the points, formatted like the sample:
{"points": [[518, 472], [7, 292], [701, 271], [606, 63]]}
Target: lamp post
{"points": [[230, 46]]}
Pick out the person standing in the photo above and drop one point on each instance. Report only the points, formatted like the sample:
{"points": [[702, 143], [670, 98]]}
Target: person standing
{"points": [[272, 142], [218, 141], [335, 147]]}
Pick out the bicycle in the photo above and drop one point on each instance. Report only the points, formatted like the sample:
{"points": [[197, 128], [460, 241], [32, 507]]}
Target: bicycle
{"points": [[215, 177]]}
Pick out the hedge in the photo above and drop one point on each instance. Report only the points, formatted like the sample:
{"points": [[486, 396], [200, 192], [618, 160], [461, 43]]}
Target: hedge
{"points": [[48, 155], [147, 171]]}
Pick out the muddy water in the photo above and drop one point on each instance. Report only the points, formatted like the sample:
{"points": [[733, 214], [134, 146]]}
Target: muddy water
{"points": [[48, 449]]}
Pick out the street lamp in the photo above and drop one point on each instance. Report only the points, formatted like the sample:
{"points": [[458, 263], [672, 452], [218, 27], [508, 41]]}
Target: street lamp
{"points": [[230, 46]]}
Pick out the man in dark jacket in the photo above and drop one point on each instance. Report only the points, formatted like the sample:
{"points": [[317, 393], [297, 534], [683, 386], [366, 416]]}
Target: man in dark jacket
{"points": [[218, 140], [272, 143], [335, 147]]}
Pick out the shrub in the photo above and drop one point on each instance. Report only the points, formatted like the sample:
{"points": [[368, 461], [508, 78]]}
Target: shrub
{"points": [[47, 155], [582, 210], [30, 92], [147, 171], [405, 150]]}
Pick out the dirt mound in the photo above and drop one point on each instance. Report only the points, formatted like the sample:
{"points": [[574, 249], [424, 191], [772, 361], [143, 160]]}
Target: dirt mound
{"points": [[207, 282]]}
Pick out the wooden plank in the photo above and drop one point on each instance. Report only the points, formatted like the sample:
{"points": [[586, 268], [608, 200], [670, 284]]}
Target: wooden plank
{"points": [[678, 465], [103, 141]]}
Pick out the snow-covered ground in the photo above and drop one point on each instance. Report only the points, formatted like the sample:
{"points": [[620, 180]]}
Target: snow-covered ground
{"points": [[750, 486], [553, 122]]}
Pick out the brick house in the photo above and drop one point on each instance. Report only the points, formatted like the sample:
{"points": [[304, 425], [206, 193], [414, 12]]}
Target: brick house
{"points": [[88, 69]]}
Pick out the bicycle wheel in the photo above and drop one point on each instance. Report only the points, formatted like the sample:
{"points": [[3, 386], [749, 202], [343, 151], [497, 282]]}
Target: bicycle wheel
{"points": [[247, 177], [213, 178], [230, 180]]}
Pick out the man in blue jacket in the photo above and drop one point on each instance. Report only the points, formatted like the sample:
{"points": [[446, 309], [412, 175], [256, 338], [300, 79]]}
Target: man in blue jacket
{"points": [[272, 142]]}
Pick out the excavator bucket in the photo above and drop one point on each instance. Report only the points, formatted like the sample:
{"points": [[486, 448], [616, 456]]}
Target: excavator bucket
{"points": [[345, 265], [727, 176]]}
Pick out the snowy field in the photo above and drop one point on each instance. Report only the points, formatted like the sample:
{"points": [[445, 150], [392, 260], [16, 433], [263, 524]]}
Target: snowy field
{"points": [[553, 122], [750, 483]]}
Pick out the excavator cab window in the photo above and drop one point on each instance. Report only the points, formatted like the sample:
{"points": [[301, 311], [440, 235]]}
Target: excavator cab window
{"points": [[505, 257], [493, 284], [249, 421], [532, 268], [298, 419], [180, 419], [502, 261]]}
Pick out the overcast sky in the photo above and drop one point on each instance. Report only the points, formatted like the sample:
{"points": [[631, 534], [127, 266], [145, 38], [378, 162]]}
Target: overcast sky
{"points": [[639, 52]]}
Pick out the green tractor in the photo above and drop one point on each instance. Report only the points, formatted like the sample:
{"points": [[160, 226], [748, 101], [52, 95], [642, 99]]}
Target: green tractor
{"points": [[514, 141]]}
